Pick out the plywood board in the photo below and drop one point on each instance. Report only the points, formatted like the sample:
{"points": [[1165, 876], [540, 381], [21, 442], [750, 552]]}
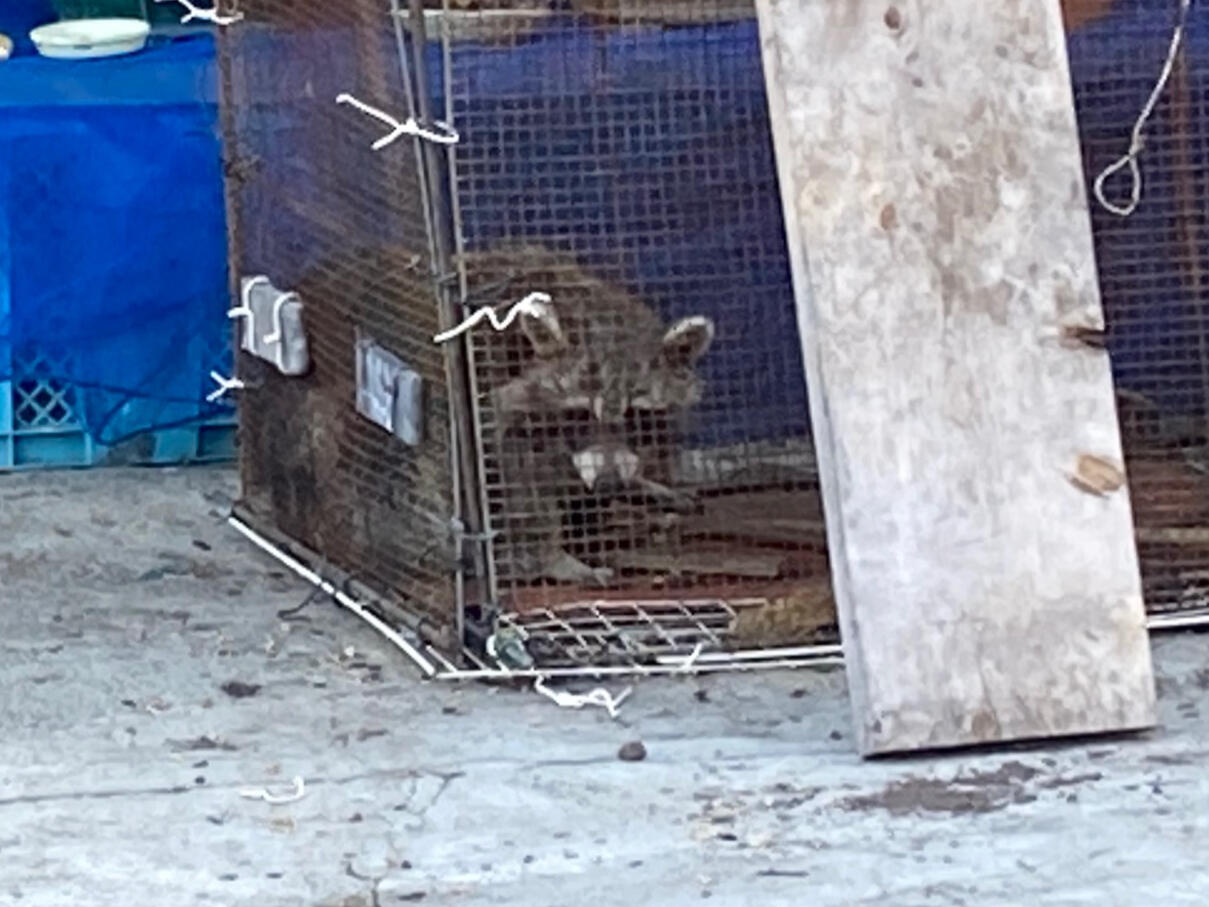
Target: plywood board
{"points": [[939, 233]]}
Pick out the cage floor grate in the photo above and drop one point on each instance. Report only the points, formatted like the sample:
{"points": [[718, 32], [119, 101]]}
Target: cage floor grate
{"points": [[627, 633]]}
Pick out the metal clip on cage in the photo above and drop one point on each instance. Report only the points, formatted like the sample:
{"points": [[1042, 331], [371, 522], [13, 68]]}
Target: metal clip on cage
{"points": [[389, 392], [284, 342]]}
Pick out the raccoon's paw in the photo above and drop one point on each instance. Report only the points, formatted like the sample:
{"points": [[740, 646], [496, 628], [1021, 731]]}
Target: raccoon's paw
{"points": [[686, 502], [602, 576], [564, 568]]}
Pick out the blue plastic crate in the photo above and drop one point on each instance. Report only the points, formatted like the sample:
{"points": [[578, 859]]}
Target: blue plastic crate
{"points": [[41, 428], [113, 284]]}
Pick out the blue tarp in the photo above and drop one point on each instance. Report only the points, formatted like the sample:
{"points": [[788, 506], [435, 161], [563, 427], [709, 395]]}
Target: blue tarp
{"points": [[17, 17], [111, 194]]}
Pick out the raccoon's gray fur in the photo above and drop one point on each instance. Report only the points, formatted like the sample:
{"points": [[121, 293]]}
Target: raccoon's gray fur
{"points": [[566, 384], [596, 348]]}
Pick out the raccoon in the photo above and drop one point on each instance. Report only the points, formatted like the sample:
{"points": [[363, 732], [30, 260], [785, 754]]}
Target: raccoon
{"points": [[584, 390]]}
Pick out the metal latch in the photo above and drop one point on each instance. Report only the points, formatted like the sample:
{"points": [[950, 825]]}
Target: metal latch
{"points": [[272, 326], [389, 393]]}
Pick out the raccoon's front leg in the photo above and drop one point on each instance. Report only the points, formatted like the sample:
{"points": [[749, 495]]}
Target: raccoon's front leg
{"points": [[535, 478], [617, 462], [557, 563], [682, 501], [563, 567], [553, 562], [551, 559]]}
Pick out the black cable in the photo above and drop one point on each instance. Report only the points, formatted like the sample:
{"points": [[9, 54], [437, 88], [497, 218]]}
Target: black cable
{"points": [[290, 613]]}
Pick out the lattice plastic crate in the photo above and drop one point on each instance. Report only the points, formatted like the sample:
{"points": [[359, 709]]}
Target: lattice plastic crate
{"points": [[41, 426], [113, 278]]}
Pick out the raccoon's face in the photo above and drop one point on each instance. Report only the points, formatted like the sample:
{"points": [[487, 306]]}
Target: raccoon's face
{"points": [[598, 377], [611, 371]]}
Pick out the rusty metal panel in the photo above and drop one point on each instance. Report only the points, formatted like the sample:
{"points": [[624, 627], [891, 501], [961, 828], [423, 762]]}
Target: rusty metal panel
{"points": [[321, 213]]}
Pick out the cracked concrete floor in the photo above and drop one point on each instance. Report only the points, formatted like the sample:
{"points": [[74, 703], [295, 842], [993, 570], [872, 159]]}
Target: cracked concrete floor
{"points": [[149, 680]]}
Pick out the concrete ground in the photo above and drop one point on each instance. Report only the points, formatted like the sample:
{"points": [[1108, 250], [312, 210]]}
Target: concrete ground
{"points": [[150, 682]]}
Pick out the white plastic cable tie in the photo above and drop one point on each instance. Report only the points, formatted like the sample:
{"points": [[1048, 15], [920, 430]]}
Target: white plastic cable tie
{"points": [[1137, 141], [244, 309], [399, 128], [263, 793], [206, 15], [225, 386], [599, 697], [276, 336], [531, 304], [690, 662]]}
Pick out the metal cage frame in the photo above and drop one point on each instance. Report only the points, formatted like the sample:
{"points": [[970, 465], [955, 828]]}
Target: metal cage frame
{"points": [[477, 582]]}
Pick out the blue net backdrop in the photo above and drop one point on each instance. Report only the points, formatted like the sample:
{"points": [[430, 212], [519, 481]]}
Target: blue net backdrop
{"points": [[113, 278]]}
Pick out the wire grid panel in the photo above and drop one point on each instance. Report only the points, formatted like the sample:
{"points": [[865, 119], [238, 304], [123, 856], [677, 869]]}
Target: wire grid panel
{"points": [[637, 428], [1152, 268], [617, 633], [617, 159], [319, 212], [636, 633]]}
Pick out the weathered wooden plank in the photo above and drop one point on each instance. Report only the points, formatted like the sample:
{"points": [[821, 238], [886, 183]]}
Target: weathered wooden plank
{"points": [[938, 227]]}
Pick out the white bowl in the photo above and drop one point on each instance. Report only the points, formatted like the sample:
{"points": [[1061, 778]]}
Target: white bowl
{"points": [[81, 39]]}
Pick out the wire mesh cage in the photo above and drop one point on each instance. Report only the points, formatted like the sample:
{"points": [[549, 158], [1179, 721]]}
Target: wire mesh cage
{"points": [[624, 468], [1151, 268], [645, 435]]}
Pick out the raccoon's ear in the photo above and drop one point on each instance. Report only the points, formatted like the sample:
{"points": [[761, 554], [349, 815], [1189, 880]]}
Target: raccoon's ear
{"points": [[687, 340], [540, 323]]}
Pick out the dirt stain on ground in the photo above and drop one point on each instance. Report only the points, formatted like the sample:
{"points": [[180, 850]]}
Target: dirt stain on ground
{"points": [[972, 792]]}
